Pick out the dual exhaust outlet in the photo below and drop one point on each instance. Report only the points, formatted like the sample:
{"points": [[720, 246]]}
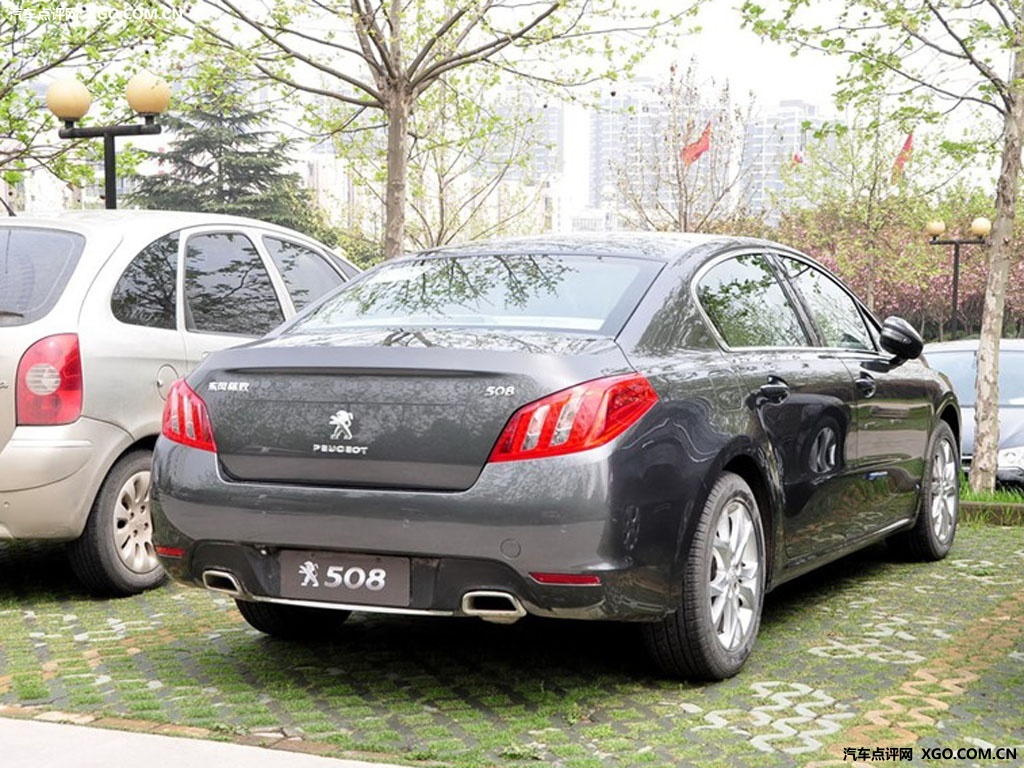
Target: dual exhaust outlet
{"points": [[490, 605]]}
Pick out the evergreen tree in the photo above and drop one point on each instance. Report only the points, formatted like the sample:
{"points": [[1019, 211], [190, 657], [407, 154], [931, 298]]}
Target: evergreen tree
{"points": [[223, 159]]}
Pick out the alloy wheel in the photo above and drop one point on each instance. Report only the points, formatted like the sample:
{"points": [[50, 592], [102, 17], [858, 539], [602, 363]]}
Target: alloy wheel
{"points": [[735, 576], [133, 525], [945, 491]]}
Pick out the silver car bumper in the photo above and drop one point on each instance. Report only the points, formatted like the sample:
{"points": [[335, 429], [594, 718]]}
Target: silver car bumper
{"points": [[49, 477]]}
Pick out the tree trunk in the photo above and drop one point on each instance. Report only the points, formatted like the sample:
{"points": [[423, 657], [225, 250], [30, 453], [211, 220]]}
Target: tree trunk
{"points": [[398, 163], [399, 101], [986, 435]]}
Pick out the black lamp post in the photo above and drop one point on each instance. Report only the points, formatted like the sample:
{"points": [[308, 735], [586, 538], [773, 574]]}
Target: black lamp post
{"points": [[980, 228], [69, 100]]}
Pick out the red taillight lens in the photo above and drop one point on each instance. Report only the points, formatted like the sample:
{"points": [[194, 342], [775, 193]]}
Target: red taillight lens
{"points": [[575, 419], [186, 419], [49, 383]]}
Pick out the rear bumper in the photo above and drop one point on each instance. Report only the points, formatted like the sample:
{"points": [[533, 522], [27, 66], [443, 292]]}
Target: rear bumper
{"points": [[1006, 475], [49, 477], [580, 514], [1010, 475]]}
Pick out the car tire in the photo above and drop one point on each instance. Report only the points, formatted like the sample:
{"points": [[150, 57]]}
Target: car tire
{"points": [[115, 553], [712, 634], [939, 508], [292, 622]]}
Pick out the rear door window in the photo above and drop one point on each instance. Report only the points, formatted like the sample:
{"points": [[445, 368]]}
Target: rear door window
{"points": [[35, 266], [227, 287], [306, 272], [146, 293], [748, 306]]}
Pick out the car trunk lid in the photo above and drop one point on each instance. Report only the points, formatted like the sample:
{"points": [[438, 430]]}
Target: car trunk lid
{"points": [[385, 409]]}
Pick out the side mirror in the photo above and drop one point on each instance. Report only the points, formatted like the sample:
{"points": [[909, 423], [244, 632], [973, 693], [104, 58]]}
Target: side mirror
{"points": [[901, 339]]}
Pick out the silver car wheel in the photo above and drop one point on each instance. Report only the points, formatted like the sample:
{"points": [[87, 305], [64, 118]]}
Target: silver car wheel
{"points": [[713, 632], [735, 576], [133, 524], [945, 491]]}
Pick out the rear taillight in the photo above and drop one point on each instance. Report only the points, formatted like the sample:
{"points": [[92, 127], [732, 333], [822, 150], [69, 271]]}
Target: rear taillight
{"points": [[49, 383], [186, 419], [576, 419]]}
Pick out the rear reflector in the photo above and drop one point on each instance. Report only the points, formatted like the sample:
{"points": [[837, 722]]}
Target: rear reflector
{"points": [[186, 419], [49, 382], [567, 579], [170, 551], [576, 419]]}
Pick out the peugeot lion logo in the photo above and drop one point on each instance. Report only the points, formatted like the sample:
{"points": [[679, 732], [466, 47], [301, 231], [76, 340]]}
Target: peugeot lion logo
{"points": [[342, 423]]}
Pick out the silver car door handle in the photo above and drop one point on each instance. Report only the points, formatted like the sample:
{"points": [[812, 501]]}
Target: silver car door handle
{"points": [[866, 385], [775, 390]]}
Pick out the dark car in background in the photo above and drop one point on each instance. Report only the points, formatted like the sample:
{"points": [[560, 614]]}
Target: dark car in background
{"points": [[645, 428], [959, 361], [100, 311]]}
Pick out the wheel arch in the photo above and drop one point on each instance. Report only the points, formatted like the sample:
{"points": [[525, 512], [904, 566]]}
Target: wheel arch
{"points": [[146, 442], [742, 458], [81, 515], [747, 468], [951, 415]]}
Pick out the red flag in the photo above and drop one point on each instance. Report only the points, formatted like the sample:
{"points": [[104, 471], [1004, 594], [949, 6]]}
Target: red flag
{"points": [[903, 157], [693, 151], [798, 157]]}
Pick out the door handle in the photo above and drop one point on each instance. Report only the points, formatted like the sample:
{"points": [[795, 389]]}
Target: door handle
{"points": [[866, 385], [775, 390]]}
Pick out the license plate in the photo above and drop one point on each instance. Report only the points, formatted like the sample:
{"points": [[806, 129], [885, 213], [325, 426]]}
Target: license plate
{"points": [[341, 578]]}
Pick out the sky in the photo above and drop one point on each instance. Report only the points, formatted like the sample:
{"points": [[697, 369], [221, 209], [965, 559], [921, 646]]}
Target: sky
{"points": [[725, 51]]}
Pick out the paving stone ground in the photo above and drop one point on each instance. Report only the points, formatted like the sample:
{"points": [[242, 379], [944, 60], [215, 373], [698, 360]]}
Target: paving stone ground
{"points": [[854, 664]]}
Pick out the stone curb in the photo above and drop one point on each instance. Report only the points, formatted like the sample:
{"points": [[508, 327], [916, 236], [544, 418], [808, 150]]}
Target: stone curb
{"points": [[992, 513], [268, 740]]}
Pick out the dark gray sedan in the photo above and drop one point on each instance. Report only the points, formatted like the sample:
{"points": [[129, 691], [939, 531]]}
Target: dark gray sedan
{"points": [[647, 428]]}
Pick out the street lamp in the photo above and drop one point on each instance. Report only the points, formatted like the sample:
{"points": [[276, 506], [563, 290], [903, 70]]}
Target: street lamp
{"points": [[148, 96], [980, 228]]}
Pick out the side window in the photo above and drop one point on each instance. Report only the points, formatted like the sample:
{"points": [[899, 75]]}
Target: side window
{"points": [[834, 311], [747, 305], [227, 288], [146, 293], [306, 272]]}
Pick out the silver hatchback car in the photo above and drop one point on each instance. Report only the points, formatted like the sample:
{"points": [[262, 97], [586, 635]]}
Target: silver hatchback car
{"points": [[100, 312]]}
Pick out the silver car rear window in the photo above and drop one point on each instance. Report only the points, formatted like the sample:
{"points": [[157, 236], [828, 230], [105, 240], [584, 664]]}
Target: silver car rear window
{"points": [[35, 265], [587, 294]]}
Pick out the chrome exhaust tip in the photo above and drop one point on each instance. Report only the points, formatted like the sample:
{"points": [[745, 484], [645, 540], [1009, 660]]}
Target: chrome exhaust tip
{"points": [[497, 607], [222, 582]]}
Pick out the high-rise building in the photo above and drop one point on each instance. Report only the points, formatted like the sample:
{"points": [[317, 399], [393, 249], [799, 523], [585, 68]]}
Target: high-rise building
{"points": [[627, 115], [774, 141]]}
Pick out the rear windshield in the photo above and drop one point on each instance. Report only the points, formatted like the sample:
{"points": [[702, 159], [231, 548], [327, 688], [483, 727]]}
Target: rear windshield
{"points": [[961, 366], [35, 265], [587, 294]]}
